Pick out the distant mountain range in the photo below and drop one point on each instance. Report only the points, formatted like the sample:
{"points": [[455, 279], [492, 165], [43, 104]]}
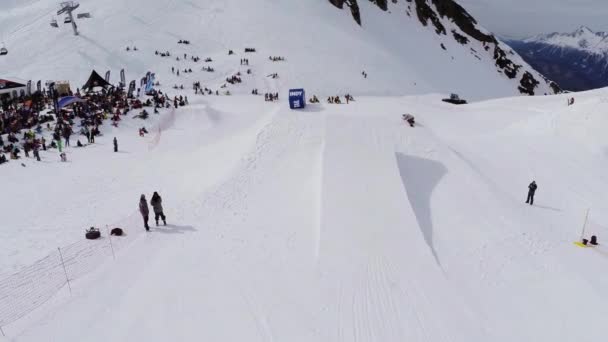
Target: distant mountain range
{"points": [[577, 61]]}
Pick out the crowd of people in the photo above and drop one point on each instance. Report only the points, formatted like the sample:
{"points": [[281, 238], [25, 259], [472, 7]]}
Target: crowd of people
{"points": [[234, 79], [30, 124], [336, 99], [162, 54], [270, 97]]}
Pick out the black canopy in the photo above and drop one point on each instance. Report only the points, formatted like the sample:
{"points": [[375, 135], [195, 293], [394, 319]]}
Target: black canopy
{"points": [[95, 81], [6, 84]]}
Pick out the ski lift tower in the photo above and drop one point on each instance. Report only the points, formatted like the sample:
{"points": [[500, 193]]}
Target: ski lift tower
{"points": [[67, 7]]}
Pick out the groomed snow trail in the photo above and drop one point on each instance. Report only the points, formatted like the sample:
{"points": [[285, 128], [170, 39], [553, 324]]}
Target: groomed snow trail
{"points": [[340, 223], [374, 261]]}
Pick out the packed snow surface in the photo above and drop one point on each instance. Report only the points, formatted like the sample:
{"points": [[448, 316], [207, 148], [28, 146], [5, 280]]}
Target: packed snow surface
{"points": [[339, 223], [332, 223]]}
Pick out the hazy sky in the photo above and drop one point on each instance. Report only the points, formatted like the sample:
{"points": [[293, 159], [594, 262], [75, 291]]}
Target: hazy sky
{"points": [[523, 18]]}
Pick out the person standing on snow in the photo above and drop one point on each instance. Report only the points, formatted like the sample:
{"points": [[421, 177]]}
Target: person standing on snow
{"points": [[157, 206], [115, 145], [531, 190], [145, 212]]}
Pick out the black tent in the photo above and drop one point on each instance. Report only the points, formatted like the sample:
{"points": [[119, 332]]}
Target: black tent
{"points": [[95, 81]]}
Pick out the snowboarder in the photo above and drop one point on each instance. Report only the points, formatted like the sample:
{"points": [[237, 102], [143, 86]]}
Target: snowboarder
{"points": [[157, 206], [115, 145], [145, 212], [532, 189]]}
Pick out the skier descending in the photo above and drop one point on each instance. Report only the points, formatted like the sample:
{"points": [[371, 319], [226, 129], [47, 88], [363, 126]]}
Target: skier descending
{"points": [[531, 190]]}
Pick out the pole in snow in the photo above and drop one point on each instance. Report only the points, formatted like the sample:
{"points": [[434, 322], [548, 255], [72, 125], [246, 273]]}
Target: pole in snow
{"points": [[111, 245], [585, 225], [65, 271]]}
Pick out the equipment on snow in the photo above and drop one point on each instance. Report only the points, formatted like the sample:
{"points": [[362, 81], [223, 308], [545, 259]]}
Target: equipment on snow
{"points": [[455, 99], [593, 240], [92, 234], [116, 232]]}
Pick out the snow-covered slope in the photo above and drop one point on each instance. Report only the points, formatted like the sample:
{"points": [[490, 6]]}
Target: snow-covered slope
{"points": [[341, 223], [334, 223], [411, 48], [577, 60]]}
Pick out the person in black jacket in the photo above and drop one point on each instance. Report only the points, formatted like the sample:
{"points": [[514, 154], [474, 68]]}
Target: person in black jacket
{"points": [[531, 190], [144, 211], [157, 206]]}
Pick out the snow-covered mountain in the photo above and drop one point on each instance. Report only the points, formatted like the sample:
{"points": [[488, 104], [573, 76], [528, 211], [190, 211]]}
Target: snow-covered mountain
{"points": [[406, 47], [576, 60], [583, 39], [333, 223]]}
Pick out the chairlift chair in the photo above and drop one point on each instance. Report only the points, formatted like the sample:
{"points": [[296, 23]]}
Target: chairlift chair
{"points": [[3, 51], [67, 20], [54, 23]]}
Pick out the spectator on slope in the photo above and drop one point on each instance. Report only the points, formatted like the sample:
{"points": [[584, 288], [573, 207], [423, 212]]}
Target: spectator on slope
{"points": [[2, 159], [66, 134], [115, 145], [15, 153], [157, 206], [36, 153], [145, 212], [531, 190]]}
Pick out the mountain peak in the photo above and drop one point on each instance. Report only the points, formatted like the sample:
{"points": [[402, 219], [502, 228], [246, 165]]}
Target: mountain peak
{"points": [[583, 30], [583, 38]]}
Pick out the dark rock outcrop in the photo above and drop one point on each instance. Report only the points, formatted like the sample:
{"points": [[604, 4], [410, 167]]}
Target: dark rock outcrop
{"points": [[527, 84], [352, 4]]}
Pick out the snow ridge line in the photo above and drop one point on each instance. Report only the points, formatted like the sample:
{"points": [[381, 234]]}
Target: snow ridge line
{"points": [[24, 291], [166, 122]]}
